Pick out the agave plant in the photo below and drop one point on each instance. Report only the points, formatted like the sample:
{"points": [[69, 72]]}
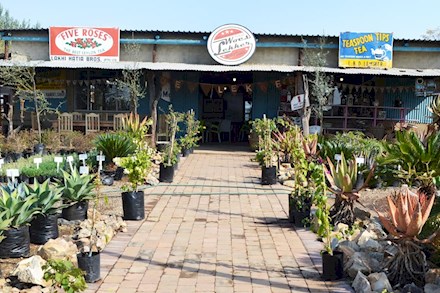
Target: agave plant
{"points": [[75, 187], [342, 181], [435, 108], [16, 206], [4, 224], [407, 213], [48, 197]]}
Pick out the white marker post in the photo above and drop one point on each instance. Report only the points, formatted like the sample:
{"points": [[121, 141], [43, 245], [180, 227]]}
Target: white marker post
{"points": [[70, 160], [83, 170], [38, 161], [83, 158], [2, 161], [360, 161], [58, 160], [13, 173], [100, 158], [338, 158]]}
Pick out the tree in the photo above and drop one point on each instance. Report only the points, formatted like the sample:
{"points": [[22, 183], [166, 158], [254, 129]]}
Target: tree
{"points": [[432, 34], [318, 83], [133, 78], [22, 80]]}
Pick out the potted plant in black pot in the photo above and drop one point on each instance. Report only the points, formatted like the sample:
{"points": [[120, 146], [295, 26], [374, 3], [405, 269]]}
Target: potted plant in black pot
{"points": [[77, 190], [44, 225], [171, 153], [16, 211], [137, 166], [90, 261], [266, 154], [189, 141]]}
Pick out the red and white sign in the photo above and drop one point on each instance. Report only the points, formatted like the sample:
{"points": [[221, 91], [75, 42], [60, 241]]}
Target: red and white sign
{"points": [[84, 44], [231, 44]]}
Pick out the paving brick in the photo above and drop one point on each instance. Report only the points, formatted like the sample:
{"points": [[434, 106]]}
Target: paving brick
{"points": [[228, 234]]}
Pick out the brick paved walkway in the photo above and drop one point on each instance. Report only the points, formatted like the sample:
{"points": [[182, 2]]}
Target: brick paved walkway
{"points": [[215, 229]]}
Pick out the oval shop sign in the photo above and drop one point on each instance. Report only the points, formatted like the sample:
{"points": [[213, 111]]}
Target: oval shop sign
{"points": [[231, 44]]}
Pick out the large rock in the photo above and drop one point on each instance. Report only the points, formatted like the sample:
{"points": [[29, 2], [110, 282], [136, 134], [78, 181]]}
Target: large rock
{"points": [[58, 249], [30, 271], [352, 244], [432, 276], [432, 288], [361, 284], [364, 237], [348, 252], [379, 282], [361, 214], [371, 245], [359, 262], [375, 227]]}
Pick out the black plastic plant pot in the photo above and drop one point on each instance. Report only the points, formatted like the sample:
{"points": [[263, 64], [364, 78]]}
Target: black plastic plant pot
{"points": [[77, 211], [332, 265], [186, 152], [39, 149], [133, 205], [268, 175], [91, 265], [166, 173], [119, 173], [43, 228], [16, 243], [298, 216]]}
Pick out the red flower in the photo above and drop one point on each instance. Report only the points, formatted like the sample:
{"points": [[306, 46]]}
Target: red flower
{"points": [[73, 44], [89, 40], [78, 40], [93, 45]]}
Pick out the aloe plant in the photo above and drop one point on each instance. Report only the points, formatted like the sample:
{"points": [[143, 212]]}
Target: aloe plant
{"points": [[4, 224], [342, 181], [135, 127], [406, 215], [75, 187], [18, 207], [48, 197], [435, 108]]}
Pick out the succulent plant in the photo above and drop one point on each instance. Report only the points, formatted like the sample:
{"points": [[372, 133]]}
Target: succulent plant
{"points": [[407, 213], [76, 187], [48, 197], [342, 179]]}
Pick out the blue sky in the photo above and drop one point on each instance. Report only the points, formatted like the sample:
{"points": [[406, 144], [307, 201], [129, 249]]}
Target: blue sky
{"points": [[404, 18]]}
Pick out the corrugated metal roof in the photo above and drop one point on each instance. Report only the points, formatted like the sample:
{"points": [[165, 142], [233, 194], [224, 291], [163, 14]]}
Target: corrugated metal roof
{"points": [[208, 32], [164, 66]]}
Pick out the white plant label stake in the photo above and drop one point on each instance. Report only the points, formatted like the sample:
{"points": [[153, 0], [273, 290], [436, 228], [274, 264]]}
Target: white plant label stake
{"points": [[2, 161], [58, 160], [100, 158], [70, 160], [83, 158], [38, 161], [13, 173], [83, 170], [360, 161]]}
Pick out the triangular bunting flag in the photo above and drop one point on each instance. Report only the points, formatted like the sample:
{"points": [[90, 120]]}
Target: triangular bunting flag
{"points": [[263, 86], [206, 88]]}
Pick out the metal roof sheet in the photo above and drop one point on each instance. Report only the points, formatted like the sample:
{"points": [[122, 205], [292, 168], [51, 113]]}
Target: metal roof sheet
{"points": [[157, 31], [164, 66]]}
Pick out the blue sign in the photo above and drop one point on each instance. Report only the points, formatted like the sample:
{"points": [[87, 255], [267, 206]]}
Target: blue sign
{"points": [[366, 50]]}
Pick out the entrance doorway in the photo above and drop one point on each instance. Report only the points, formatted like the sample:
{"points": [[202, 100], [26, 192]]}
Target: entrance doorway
{"points": [[226, 106]]}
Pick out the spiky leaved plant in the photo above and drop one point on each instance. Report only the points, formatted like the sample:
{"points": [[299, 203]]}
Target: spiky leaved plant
{"points": [[342, 181], [435, 109], [407, 213]]}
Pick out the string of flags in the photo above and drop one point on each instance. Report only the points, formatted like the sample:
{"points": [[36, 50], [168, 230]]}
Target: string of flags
{"points": [[374, 89]]}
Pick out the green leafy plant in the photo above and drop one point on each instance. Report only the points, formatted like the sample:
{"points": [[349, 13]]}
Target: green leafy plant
{"points": [[435, 108], [48, 197], [114, 145], [19, 207], [5, 222], [342, 181], [192, 125], [172, 118], [138, 166], [136, 128], [267, 155], [52, 140], [64, 275], [417, 156], [75, 187]]}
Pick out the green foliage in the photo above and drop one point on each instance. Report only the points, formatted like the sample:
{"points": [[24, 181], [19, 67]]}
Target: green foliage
{"points": [[192, 126], [115, 145], [64, 275], [19, 207], [48, 197], [266, 148], [5, 222], [172, 118], [170, 156], [76, 187], [52, 140], [9, 22], [136, 128], [137, 166], [418, 157], [27, 167]]}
